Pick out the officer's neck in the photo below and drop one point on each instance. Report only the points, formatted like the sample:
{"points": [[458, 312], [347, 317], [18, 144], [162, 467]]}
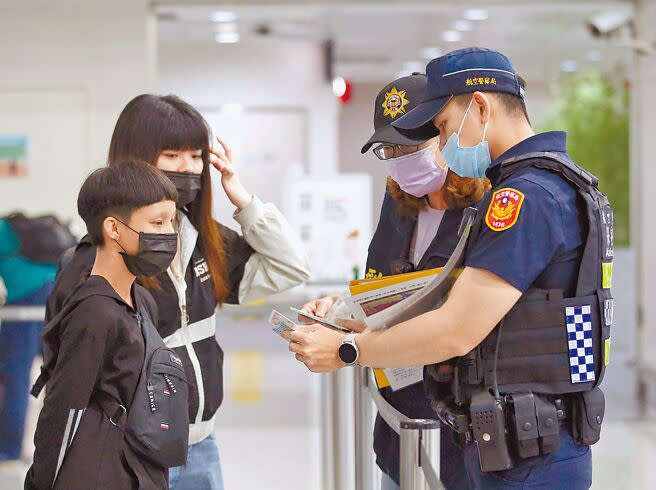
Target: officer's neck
{"points": [[508, 133]]}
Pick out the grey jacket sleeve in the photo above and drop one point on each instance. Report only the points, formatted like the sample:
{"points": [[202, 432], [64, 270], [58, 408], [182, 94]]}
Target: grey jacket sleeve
{"points": [[278, 261]]}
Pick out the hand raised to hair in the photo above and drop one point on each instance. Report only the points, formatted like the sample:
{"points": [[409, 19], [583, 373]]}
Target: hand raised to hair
{"points": [[221, 158]]}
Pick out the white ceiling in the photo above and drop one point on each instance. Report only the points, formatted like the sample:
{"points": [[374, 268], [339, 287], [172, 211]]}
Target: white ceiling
{"points": [[375, 40]]}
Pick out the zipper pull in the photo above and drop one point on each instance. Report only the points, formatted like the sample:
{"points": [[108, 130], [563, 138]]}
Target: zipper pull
{"points": [[170, 383], [151, 398], [184, 315]]}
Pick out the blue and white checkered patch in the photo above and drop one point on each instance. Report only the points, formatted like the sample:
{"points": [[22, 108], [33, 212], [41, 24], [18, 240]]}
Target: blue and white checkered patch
{"points": [[579, 337]]}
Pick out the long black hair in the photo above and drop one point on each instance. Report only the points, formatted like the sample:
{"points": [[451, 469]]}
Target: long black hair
{"points": [[150, 124]]}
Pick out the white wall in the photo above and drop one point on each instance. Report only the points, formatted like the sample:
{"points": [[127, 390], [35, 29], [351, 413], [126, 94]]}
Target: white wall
{"points": [[83, 61], [643, 175], [269, 74]]}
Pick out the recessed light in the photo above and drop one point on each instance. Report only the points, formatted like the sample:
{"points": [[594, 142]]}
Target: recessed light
{"points": [[224, 16], [451, 36], [569, 66], [225, 27], [594, 55], [227, 37], [463, 25], [476, 14]]}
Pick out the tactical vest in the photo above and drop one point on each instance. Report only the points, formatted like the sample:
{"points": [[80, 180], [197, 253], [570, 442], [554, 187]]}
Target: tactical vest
{"points": [[548, 343]]}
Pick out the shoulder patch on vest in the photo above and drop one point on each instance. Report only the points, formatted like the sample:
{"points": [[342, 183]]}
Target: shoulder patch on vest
{"points": [[504, 209]]}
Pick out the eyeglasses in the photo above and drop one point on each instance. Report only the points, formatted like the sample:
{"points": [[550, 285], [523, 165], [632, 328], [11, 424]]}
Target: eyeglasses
{"points": [[385, 151]]}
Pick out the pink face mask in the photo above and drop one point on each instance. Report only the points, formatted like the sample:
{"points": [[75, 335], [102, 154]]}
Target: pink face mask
{"points": [[418, 174]]}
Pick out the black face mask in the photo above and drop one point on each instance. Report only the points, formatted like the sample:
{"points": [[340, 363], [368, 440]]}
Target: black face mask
{"points": [[187, 184], [156, 252]]}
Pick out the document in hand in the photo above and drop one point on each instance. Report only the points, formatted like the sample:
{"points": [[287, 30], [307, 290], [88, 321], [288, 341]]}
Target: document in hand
{"points": [[387, 301], [370, 296], [412, 298]]}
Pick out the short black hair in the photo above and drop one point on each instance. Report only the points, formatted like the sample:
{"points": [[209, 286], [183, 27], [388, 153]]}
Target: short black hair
{"points": [[117, 191], [514, 105]]}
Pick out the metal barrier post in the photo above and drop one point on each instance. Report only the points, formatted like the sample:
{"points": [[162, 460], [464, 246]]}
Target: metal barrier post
{"points": [[415, 436], [329, 436], [364, 461]]}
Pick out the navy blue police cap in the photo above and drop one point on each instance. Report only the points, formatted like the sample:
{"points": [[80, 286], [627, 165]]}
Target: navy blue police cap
{"points": [[459, 72]]}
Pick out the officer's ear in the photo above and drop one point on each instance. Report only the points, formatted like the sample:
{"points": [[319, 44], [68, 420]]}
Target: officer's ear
{"points": [[482, 106]]}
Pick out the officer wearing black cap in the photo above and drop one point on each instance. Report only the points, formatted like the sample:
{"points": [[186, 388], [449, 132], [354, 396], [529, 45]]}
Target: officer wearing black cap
{"points": [[417, 230], [405, 241], [392, 102], [528, 321]]}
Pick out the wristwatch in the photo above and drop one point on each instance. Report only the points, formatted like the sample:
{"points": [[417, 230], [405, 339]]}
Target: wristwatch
{"points": [[348, 351]]}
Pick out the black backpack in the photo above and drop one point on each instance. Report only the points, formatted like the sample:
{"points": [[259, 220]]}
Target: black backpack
{"points": [[42, 239], [157, 425]]}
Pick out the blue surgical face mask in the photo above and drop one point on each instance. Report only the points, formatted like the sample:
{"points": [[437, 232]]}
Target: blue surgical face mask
{"points": [[468, 161]]}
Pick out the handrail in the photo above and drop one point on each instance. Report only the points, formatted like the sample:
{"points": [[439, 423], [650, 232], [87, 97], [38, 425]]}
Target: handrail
{"points": [[420, 445], [22, 313]]}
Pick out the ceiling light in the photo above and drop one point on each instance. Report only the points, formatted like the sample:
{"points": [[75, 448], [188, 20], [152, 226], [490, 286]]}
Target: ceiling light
{"points": [[476, 14], [224, 16], [227, 37], [451, 36], [594, 55], [569, 66], [430, 53], [225, 27], [463, 25]]}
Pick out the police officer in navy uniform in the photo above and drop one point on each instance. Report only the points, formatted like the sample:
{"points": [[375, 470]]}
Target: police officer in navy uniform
{"points": [[528, 320], [417, 230]]}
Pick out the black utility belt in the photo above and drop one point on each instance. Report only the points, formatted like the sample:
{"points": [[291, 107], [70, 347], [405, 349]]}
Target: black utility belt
{"points": [[517, 426]]}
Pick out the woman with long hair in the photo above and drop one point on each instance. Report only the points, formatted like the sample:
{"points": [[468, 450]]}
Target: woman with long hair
{"points": [[214, 264]]}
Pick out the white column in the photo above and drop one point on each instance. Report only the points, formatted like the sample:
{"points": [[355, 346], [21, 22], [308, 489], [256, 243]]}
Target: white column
{"points": [[643, 173]]}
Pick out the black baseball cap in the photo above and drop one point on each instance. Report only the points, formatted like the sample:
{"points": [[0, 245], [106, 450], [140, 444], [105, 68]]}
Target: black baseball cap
{"points": [[394, 100], [462, 71]]}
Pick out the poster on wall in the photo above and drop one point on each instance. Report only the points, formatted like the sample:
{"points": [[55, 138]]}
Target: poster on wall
{"points": [[13, 156], [333, 218]]}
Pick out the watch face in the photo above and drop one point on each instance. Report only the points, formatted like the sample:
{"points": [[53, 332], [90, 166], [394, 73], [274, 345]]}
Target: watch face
{"points": [[347, 353]]}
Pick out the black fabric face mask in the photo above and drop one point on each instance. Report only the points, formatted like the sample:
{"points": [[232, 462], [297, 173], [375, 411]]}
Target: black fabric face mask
{"points": [[187, 184], [156, 252]]}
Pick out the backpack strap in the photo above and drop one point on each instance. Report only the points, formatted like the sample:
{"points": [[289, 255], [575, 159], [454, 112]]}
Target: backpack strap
{"points": [[51, 328], [113, 409]]}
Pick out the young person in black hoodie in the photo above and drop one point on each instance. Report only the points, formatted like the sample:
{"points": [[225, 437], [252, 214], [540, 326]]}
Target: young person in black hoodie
{"points": [[98, 346], [215, 264]]}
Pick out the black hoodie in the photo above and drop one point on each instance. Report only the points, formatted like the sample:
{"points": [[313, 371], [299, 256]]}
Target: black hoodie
{"points": [[96, 348]]}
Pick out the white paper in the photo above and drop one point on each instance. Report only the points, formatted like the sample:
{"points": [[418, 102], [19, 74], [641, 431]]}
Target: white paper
{"points": [[400, 378], [369, 303], [430, 296]]}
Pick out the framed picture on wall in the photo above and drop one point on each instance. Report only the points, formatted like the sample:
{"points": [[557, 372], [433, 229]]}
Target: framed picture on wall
{"points": [[13, 155]]}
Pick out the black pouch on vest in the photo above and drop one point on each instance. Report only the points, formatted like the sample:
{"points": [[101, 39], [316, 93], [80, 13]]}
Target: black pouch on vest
{"points": [[548, 427], [587, 414], [525, 425]]}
